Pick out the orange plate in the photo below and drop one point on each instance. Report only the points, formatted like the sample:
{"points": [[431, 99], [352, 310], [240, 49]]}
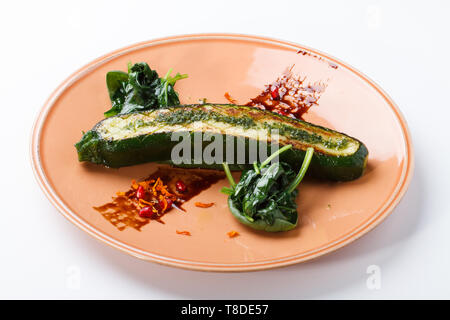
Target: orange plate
{"points": [[331, 214]]}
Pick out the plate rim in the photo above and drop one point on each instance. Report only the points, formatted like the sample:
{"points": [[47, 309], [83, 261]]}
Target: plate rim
{"points": [[368, 225]]}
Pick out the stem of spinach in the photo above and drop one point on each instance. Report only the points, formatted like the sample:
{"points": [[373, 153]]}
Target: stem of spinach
{"points": [[166, 84], [255, 166], [228, 174], [301, 173], [227, 191], [168, 74], [292, 186], [273, 155]]}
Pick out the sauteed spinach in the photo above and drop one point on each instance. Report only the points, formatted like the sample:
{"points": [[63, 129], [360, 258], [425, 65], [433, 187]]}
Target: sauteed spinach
{"points": [[140, 89], [264, 198]]}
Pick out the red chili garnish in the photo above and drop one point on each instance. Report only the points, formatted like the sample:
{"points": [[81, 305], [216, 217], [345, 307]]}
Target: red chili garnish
{"points": [[184, 233], [233, 234], [204, 205], [282, 112], [164, 205], [274, 92], [169, 203], [146, 212], [181, 187], [140, 193], [229, 98]]}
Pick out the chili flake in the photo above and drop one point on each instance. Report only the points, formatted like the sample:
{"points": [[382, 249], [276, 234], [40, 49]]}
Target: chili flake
{"points": [[204, 205], [232, 234], [184, 233]]}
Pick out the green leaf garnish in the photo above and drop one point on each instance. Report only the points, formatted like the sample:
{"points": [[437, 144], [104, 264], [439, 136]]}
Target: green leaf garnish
{"points": [[140, 89], [264, 197]]}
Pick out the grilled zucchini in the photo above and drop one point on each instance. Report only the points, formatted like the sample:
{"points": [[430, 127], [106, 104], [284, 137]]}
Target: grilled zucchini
{"points": [[140, 137]]}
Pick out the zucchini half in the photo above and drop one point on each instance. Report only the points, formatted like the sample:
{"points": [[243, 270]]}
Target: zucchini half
{"points": [[140, 137]]}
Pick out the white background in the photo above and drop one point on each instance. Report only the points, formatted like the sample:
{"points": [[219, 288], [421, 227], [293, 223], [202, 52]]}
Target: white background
{"points": [[402, 45]]}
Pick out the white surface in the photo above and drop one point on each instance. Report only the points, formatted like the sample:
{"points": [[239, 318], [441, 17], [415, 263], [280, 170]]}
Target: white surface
{"points": [[403, 46]]}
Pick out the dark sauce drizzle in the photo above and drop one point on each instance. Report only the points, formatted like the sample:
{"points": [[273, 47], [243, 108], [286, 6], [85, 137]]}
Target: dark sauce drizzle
{"points": [[331, 64], [123, 210], [289, 95]]}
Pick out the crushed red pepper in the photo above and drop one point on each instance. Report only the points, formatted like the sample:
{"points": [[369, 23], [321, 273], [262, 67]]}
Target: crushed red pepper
{"points": [[148, 199], [153, 197], [204, 205], [184, 233], [232, 234], [229, 98]]}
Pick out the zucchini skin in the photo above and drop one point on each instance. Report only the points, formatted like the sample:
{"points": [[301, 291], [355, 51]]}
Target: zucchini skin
{"points": [[157, 147]]}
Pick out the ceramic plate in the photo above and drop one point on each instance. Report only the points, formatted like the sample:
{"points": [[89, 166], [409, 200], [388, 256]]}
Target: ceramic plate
{"points": [[331, 214]]}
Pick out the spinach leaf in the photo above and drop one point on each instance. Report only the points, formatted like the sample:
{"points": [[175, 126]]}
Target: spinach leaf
{"points": [[116, 81], [264, 198], [140, 89]]}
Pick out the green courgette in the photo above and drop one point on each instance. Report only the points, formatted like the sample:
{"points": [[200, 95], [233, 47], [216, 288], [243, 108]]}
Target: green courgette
{"points": [[140, 137]]}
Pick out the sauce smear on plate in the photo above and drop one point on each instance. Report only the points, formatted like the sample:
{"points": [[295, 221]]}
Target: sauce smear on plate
{"points": [[289, 95], [150, 199]]}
